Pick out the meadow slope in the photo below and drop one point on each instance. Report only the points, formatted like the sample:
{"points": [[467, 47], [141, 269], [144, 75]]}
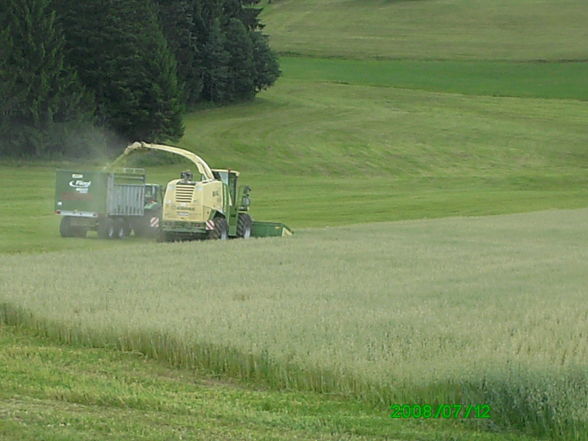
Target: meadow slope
{"points": [[318, 153], [481, 310], [430, 29]]}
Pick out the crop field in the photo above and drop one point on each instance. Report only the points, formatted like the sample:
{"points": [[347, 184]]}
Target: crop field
{"points": [[478, 310]]}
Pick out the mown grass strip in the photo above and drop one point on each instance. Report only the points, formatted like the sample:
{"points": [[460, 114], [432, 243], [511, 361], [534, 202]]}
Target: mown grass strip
{"points": [[555, 80]]}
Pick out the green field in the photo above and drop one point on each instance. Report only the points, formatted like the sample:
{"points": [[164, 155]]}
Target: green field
{"points": [[430, 29], [424, 112], [491, 78], [451, 310]]}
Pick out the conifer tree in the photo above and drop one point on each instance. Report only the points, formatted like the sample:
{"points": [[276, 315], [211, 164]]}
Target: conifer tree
{"points": [[241, 67], [178, 25], [267, 68], [120, 52], [41, 97], [245, 11], [216, 66]]}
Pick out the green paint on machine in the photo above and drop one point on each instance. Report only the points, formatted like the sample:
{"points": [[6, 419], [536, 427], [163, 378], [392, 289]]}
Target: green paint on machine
{"points": [[270, 229]]}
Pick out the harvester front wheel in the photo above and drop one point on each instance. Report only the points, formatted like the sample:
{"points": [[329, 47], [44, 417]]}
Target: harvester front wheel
{"points": [[220, 230], [244, 223]]}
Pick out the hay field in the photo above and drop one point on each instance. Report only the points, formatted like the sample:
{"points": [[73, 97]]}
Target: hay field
{"points": [[486, 310], [430, 29]]}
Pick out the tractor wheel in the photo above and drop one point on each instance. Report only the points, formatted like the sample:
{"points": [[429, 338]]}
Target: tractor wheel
{"points": [[220, 231], [65, 228], [244, 226]]}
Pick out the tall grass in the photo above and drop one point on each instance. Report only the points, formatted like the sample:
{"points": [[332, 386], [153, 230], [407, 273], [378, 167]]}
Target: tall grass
{"points": [[454, 310]]}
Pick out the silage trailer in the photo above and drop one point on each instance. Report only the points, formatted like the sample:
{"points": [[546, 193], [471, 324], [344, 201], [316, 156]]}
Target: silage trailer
{"points": [[115, 204]]}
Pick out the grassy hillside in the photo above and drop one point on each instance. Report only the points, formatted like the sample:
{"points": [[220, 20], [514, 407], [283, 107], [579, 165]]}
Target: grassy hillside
{"points": [[324, 128], [431, 29], [449, 310], [341, 142], [488, 78]]}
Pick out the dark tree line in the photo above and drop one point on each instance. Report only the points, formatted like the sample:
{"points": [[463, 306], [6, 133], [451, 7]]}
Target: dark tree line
{"points": [[124, 70]]}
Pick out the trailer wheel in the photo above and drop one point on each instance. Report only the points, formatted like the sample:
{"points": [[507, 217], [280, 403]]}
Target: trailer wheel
{"points": [[244, 226], [120, 228], [106, 228], [103, 228], [80, 232], [65, 228], [220, 231], [127, 227]]}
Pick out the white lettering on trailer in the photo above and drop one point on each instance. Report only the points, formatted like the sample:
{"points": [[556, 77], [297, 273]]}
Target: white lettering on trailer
{"points": [[80, 186]]}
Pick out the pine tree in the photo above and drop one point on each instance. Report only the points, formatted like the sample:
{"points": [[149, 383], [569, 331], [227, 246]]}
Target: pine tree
{"points": [[178, 24], [216, 66], [267, 68], [241, 67], [41, 98], [120, 52], [245, 11]]}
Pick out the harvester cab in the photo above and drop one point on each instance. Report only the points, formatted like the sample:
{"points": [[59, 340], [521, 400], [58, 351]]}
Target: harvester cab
{"points": [[187, 176]]}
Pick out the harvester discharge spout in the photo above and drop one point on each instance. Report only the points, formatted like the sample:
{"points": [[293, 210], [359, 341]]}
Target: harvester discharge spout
{"points": [[201, 165]]}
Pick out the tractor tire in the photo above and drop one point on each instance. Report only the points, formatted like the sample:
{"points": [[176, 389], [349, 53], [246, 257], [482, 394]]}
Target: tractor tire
{"points": [[220, 231], [65, 228], [244, 224]]}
